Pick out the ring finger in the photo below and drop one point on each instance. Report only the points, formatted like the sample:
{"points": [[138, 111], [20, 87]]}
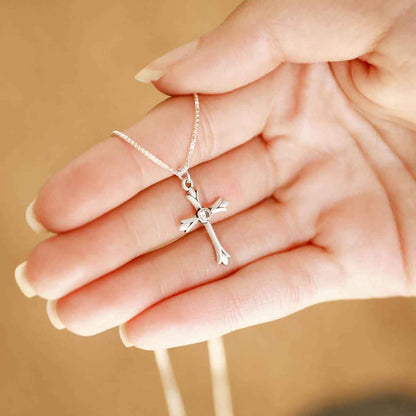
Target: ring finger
{"points": [[128, 291]]}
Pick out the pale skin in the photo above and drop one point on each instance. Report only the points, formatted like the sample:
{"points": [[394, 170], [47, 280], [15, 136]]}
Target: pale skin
{"points": [[308, 129]]}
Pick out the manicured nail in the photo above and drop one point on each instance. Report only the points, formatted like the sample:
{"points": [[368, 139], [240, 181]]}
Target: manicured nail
{"points": [[22, 280], [155, 70], [33, 222], [123, 336], [148, 75], [53, 314]]}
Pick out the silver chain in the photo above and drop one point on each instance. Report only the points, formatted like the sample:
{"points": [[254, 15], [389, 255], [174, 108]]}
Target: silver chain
{"points": [[178, 172]]}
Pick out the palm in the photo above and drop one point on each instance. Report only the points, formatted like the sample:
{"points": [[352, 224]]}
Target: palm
{"points": [[338, 181]]}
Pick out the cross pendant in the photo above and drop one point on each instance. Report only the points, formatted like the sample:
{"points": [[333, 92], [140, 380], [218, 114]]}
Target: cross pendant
{"points": [[203, 215]]}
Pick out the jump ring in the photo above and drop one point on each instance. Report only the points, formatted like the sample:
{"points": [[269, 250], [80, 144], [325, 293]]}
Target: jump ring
{"points": [[187, 182]]}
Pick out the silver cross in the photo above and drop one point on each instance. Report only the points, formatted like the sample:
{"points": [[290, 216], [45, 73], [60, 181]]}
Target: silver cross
{"points": [[203, 216]]}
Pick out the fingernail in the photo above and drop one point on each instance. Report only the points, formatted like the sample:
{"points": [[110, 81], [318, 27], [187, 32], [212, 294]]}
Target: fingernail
{"points": [[53, 314], [33, 222], [123, 336], [155, 70], [22, 280], [147, 75]]}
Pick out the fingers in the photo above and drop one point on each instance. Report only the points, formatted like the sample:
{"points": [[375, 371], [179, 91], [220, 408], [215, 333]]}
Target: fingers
{"points": [[185, 264], [112, 171], [268, 289], [260, 35], [244, 176]]}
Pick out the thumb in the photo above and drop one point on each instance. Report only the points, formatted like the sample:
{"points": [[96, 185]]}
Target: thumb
{"points": [[261, 34]]}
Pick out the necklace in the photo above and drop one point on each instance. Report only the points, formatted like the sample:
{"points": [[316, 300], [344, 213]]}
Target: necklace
{"points": [[203, 215]]}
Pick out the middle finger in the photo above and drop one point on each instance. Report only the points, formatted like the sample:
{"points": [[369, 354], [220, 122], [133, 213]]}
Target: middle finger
{"points": [[68, 261]]}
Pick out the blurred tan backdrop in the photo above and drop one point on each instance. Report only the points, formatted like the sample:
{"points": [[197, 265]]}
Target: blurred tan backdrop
{"points": [[66, 80]]}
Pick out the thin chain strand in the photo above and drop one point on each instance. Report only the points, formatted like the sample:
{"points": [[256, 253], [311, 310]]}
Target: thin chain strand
{"points": [[178, 172]]}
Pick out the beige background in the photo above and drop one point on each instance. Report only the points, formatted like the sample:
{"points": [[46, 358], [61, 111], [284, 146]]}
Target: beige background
{"points": [[66, 80]]}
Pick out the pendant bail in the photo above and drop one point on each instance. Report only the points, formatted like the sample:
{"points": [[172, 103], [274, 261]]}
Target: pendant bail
{"points": [[187, 182]]}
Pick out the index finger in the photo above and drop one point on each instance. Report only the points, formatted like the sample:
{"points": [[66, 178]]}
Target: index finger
{"points": [[112, 171]]}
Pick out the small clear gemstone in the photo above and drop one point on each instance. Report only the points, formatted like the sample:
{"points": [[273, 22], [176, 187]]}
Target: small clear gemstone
{"points": [[204, 215]]}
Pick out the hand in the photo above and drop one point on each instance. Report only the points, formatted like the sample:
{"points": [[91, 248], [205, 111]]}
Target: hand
{"points": [[308, 128]]}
